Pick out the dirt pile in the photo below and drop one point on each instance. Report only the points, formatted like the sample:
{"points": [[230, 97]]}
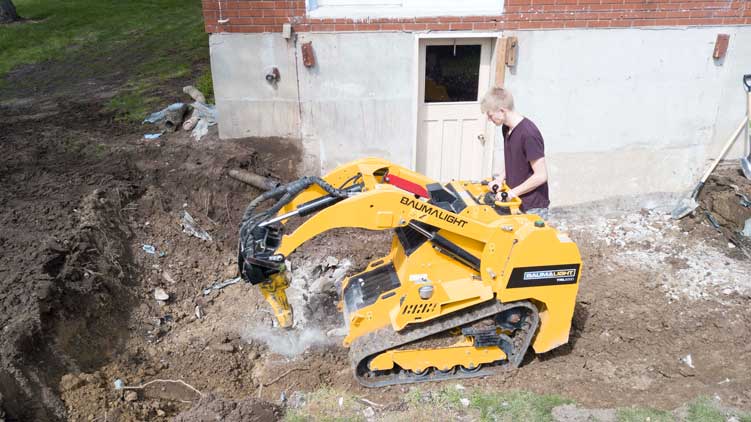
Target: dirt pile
{"points": [[726, 199], [65, 262]]}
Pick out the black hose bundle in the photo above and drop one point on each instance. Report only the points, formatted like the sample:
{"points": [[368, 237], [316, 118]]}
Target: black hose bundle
{"points": [[283, 195]]}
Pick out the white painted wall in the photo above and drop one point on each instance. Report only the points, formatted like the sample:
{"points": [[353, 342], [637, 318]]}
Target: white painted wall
{"points": [[630, 111], [358, 99], [623, 112], [247, 104]]}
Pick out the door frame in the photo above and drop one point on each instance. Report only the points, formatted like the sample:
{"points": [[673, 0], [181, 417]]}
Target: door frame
{"points": [[489, 127]]}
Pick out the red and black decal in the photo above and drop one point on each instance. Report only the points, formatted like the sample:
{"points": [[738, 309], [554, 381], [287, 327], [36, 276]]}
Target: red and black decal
{"points": [[546, 275]]}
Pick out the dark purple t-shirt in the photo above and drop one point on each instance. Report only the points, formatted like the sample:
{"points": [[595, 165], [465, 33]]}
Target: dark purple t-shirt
{"points": [[523, 145]]}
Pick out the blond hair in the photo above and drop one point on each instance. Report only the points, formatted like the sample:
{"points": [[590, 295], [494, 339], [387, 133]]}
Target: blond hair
{"points": [[496, 99]]}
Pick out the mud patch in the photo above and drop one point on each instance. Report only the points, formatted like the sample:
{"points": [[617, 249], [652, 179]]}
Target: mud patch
{"points": [[212, 408]]}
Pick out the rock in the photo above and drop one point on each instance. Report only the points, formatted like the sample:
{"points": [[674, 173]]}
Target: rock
{"points": [[161, 413], [337, 332], [368, 412], [339, 274], [688, 360], [322, 284], [331, 261], [131, 396], [160, 294], [571, 413], [296, 400], [70, 382], [224, 347], [168, 278]]}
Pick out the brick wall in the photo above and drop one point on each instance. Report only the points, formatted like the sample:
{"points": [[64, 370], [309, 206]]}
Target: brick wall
{"points": [[269, 16]]}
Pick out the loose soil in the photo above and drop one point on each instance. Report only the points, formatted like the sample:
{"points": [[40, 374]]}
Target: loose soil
{"points": [[82, 194]]}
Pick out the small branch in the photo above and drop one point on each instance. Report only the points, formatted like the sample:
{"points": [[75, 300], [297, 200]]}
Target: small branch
{"points": [[142, 386], [283, 375], [366, 401]]}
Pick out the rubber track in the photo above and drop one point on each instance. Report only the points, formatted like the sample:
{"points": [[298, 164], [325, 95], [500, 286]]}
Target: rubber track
{"points": [[386, 338]]}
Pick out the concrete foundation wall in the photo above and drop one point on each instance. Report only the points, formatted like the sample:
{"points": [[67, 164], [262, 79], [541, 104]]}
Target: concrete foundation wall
{"points": [[630, 111], [623, 111]]}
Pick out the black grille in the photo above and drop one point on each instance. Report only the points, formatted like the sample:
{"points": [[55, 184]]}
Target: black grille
{"points": [[410, 238], [365, 288]]}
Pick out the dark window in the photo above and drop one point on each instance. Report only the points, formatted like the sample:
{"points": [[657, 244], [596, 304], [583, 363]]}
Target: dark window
{"points": [[452, 73]]}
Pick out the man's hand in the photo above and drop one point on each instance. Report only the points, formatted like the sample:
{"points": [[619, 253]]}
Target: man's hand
{"points": [[496, 184], [510, 196]]}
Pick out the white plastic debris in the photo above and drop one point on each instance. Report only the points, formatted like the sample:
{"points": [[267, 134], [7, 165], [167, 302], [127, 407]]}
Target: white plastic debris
{"points": [[688, 360], [206, 114], [747, 228], [464, 402], [368, 412], [190, 227], [200, 130], [119, 384], [341, 401], [160, 294], [152, 136], [149, 249], [459, 387], [170, 117]]}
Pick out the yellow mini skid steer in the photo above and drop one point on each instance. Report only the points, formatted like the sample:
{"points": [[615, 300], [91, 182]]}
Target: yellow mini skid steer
{"points": [[470, 282]]}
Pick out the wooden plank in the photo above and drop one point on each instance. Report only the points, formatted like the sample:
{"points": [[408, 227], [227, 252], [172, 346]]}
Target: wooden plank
{"points": [[501, 47]]}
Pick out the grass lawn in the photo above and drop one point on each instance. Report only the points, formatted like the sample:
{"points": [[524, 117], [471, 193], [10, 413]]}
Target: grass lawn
{"points": [[170, 34], [451, 403]]}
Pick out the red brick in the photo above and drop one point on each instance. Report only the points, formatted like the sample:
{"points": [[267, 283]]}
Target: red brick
{"points": [[575, 24], [732, 21], [707, 21], [368, 27], [486, 26], [677, 14], [344, 27], [322, 27], [460, 26], [392, 26], [427, 20], [726, 13], [530, 25], [439, 26]]}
